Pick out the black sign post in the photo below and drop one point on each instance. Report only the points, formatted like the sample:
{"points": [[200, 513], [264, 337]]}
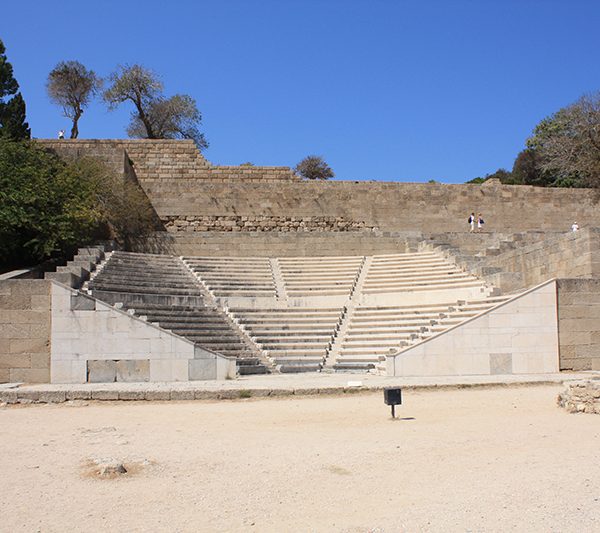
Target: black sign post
{"points": [[393, 397]]}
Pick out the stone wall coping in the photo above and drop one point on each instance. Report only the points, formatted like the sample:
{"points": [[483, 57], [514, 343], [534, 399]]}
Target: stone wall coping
{"points": [[471, 319], [264, 387], [75, 292]]}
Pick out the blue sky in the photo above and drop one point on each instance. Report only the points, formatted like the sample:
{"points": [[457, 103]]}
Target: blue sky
{"points": [[383, 89]]}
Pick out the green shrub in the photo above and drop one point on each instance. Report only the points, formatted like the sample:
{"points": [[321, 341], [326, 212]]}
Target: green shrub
{"points": [[50, 207]]}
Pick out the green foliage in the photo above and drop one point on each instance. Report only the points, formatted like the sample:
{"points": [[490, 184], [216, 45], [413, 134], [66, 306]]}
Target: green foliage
{"points": [[155, 116], [12, 110], [314, 167], [72, 86], [49, 206], [501, 174], [568, 143], [45, 206]]}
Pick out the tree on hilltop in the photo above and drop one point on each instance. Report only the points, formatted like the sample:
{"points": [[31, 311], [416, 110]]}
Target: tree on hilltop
{"points": [[155, 116], [314, 167], [568, 143], [12, 106], [72, 86]]}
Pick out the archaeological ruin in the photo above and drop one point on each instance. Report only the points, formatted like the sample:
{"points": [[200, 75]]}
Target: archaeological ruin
{"points": [[257, 271]]}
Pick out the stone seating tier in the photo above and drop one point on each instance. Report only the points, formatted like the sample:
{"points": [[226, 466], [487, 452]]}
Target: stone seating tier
{"points": [[161, 290]]}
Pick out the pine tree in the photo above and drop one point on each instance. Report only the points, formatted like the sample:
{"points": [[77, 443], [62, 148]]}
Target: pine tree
{"points": [[12, 111]]}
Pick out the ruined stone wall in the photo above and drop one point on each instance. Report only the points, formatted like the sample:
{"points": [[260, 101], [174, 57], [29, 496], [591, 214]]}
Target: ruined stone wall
{"points": [[25, 331], [581, 397]]}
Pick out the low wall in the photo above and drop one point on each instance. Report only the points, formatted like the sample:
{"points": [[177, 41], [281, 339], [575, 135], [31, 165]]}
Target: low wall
{"points": [[277, 244], [517, 337], [25, 331], [579, 323], [92, 341], [581, 397]]}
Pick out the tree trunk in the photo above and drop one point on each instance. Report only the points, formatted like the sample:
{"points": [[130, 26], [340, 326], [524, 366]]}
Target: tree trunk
{"points": [[75, 128]]}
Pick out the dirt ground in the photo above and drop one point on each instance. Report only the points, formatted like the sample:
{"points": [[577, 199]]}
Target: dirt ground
{"points": [[496, 459]]}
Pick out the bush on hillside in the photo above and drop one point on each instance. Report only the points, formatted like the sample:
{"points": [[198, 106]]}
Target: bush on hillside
{"points": [[49, 207]]}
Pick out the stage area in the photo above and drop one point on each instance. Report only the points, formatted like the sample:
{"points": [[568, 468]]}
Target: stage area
{"points": [[494, 459]]}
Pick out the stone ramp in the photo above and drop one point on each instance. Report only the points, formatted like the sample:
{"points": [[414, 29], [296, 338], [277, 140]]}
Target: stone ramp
{"points": [[161, 290]]}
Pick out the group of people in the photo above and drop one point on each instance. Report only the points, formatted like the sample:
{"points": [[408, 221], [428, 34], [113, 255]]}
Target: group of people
{"points": [[475, 222]]}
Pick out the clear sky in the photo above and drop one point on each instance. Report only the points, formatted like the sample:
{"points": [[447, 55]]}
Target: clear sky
{"points": [[383, 89]]}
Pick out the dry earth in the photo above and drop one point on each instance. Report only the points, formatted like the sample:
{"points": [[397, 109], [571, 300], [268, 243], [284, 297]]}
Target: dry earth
{"points": [[463, 460]]}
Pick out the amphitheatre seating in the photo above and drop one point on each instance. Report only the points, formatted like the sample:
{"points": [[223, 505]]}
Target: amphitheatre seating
{"points": [[364, 307], [295, 339], [319, 276], [422, 271], [163, 291], [372, 331], [235, 276]]}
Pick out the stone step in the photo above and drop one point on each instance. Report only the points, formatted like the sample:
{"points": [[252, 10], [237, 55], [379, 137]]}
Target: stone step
{"points": [[133, 299], [281, 333], [142, 282], [132, 288], [302, 352], [297, 368]]}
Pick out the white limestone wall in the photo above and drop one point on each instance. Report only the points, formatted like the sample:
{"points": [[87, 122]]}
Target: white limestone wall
{"points": [[517, 337], [85, 329]]}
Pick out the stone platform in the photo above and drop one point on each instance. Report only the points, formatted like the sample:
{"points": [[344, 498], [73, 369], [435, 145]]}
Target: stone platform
{"points": [[267, 386]]}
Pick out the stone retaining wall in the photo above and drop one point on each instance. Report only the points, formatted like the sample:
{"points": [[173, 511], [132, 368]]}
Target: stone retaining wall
{"points": [[155, 160], [277, 244], [570, 255], [25, 331], [261, 223], [581, 397], [579, 323]]}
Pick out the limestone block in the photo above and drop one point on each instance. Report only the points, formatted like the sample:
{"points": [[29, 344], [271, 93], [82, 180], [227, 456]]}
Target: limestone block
{"points": [[102, 371], [29, 375], [500, 363], [79, 302], [202, 369], [133, 370]]}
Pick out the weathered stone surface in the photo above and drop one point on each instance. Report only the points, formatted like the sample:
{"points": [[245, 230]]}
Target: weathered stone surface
{"points": [[581, 397], [102, 371], [131, 370]]}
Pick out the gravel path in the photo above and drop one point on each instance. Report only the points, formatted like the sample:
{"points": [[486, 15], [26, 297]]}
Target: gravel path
{"points": [[461, 460]]}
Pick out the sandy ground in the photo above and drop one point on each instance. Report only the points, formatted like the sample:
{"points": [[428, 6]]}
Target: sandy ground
{"points": [[464, 460]]}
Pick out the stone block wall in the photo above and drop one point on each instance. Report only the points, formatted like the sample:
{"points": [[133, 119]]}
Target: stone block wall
{"points": [[181, 183], [569, 255], [157, 160], [25, 331], [579, 323], [277, 244], [93, 341], [262, 223], [388, 206], [518, 337]]}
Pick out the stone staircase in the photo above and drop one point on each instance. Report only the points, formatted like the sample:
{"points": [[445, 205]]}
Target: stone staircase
{"points": [[161, 290], [319, 276], [235, 276], [294, 339]]}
